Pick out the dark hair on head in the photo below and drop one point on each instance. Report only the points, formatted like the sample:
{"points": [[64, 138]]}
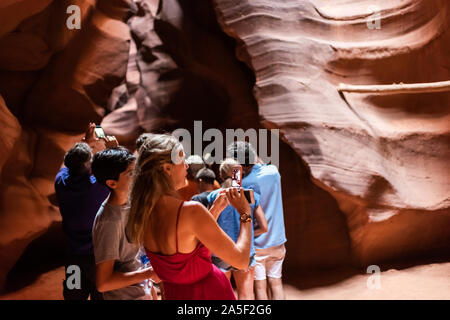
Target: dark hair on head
{"points": [[207, 175], [141, 139], [77, 159], [110, 163], [195, 164], [243, 152]]}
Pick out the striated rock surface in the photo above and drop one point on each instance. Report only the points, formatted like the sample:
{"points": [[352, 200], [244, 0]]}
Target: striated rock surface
{"points": [[383, 157], [188, 71], [54, 81], [13, 12], [77, 83]]}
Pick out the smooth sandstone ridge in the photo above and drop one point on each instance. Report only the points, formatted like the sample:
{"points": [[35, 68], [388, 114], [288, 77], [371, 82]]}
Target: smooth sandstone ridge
{"points": [[384, 157]]}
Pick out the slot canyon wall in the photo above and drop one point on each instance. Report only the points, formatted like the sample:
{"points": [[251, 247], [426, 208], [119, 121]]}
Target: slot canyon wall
{"points": [[365, 177]]}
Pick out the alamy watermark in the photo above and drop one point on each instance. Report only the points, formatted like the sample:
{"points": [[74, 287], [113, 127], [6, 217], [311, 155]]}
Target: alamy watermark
{"points": [[74, 20], [73, 277], [374, 20], [214, 151], [374, 281]]}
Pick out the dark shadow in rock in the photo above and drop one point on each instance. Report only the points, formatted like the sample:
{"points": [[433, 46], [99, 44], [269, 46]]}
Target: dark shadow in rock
{"points": [[100, 90], [45, 253], [377, 187], [439, 255], [202, 93], [424, 104], [316, 229]]}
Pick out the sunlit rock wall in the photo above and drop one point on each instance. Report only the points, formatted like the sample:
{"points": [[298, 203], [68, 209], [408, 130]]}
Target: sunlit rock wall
{"points": [[383, 157], [53, 81]]}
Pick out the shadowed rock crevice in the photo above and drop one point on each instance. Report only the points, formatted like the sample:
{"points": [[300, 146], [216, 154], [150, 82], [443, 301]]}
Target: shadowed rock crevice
{"points": [[41, 255]]}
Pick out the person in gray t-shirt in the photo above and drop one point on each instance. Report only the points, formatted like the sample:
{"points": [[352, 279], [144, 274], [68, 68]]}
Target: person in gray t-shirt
{"points": [[110, 243], [119, 272]]}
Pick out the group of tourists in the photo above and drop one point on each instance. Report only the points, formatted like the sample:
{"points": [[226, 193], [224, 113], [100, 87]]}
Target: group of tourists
{"points": [[142, 226]]}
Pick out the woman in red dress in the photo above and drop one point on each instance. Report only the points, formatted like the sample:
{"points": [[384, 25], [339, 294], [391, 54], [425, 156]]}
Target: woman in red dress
{"points": [[179, 236]]}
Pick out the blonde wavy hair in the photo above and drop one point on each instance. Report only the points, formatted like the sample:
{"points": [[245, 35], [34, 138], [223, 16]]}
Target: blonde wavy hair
{"points": [[150, 182]]}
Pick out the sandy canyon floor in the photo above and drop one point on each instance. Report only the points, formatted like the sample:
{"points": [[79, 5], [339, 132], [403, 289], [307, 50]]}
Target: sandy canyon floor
{"points": [[430, 281]]}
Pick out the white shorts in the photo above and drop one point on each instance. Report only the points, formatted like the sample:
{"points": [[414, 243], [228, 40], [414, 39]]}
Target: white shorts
{"points": [[269, 262]]}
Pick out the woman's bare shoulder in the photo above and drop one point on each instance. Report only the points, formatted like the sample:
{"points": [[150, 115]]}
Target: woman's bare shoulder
{"points": [[194, 209], [193, 205]]}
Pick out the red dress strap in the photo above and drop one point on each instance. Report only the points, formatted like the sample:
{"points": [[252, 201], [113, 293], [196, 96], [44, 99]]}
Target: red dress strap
{"points": [[176, 226]]}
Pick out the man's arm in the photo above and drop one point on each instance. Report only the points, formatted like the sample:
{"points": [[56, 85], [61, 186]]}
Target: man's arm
{"points": [[107, 279], [106, 237], [261, 220]]}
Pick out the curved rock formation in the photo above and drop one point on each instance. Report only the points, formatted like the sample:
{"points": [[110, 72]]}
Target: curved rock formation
{"points": [[54, 80], [187, 65], [383, 157]]}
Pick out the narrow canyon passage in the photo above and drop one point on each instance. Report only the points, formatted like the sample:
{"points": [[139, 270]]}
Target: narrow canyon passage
{"points": [[358, 95]]}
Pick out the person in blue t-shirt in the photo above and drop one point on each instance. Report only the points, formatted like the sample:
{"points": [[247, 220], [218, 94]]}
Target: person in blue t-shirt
{"points": [[269, 247], [228, 220], [79, 197]]}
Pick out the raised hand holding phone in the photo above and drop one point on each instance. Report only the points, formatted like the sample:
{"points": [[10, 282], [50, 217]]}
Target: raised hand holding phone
{"points": [[111, 142], [99, 132], [237, 199], [236, 182], [96, 138], [89, 135], [236, 176]]}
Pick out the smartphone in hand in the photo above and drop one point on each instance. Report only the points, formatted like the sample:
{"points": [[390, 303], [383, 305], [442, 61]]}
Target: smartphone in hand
{"points": [[99, 132], [236, 176], [236, 181]]}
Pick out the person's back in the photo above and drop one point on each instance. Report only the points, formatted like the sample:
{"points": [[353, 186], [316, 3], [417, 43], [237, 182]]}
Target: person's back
{"points": [[265, 180], [119, 270], [186, 270], [111, 243], [270, 249], [180, 235], [228, 220], [79, 197]]}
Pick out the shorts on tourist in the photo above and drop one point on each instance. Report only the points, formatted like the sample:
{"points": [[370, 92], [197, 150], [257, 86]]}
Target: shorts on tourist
{"points": [[269, 262]]}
